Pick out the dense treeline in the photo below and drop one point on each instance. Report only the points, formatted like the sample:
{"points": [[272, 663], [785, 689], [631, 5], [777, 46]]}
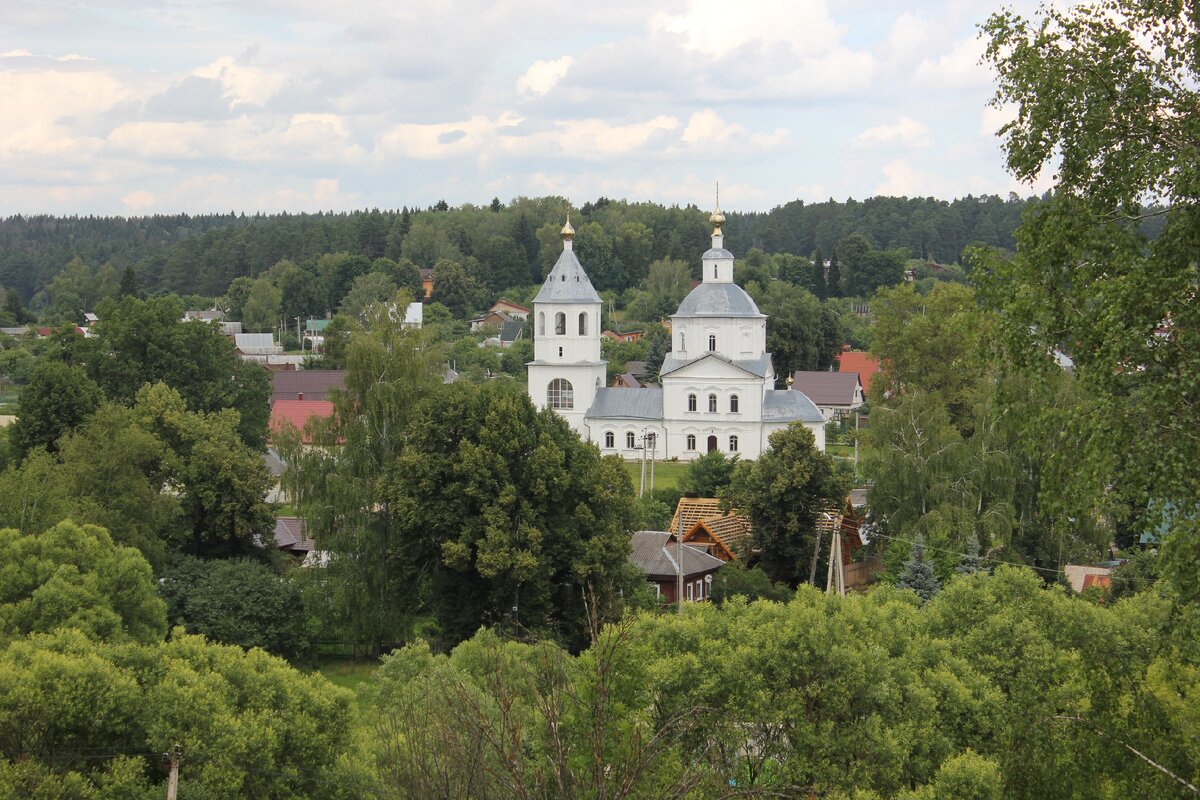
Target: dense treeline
{"points": [[618, 240]]}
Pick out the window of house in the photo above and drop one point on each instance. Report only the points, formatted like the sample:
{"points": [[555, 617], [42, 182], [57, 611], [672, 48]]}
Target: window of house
{"points": [[609, 439], [690, 592], [733, 443], [630, 440], [541, 323], [583, 324], [712, 404], [560, 394], [691, 442], [712, 342], [560, 324], [733, 403], [691, 402], [699, 589]]}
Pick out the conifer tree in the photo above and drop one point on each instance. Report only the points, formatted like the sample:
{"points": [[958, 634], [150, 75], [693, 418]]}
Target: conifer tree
{"points": [[917, 573], [971, 562]]}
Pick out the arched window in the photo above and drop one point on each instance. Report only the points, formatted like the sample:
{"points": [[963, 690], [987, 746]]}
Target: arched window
{"points": [[560, 394], [609, 439], [541, 323], [691, 442], [712, 404], [733, 404], [691, 402], [733, 444], [583, 324], [681, 345], [560, 324], [712, 342], [630, 440]]}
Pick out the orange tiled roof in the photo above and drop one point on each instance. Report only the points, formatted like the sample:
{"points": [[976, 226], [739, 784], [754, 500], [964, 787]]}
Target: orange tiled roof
{"points": [[865, 364], [298, 412]]}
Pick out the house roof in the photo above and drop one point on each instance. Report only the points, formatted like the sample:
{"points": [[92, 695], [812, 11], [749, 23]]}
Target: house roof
{"points": [[790, 405], [291, 534], [426, 274], [510, 331], [298, 413], [509, 304], [730, 531], [865, 364], [256, 343], [316, 325], [638, 369], [760, 367], [626, 404], [827, 388], [718, 300], [626, 381], [314, 384], [694, 509], [654, 553], [567, 282], [273, 463]]}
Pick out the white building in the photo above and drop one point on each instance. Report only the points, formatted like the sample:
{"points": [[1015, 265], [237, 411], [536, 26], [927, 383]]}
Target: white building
{"points": [[717, 382]]}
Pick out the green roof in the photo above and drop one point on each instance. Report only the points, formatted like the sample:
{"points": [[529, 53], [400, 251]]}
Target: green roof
{"points": [[316, 325]]}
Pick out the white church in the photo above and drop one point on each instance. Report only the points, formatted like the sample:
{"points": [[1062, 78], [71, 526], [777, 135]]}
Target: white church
{"points": [[717, 382]]}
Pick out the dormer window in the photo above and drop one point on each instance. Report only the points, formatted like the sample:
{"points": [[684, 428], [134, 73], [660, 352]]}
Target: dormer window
{"points": [[712, 343]]}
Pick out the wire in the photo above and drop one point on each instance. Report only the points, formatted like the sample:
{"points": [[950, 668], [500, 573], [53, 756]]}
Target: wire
{"points": [[874, 535]]}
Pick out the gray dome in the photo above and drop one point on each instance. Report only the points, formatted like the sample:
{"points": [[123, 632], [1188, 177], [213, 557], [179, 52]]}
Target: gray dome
{"points": [[567, 283], [715, 253], [718, 300]]}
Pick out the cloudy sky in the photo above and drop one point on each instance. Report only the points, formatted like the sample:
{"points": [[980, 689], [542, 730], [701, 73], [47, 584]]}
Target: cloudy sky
{"points": [[144, 106]]}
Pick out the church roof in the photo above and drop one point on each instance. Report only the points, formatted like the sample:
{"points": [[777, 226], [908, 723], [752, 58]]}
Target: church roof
{"points": [[760, 366], [627, 404], [717, 252], [567, 282], [718, 300], [789, 405]]}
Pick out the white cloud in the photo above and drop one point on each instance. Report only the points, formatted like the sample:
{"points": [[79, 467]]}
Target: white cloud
{"points": [[243, 83], [715, 28], [957, 69], [542, 76], [39, 104], [139, 200], [903, 180], [906, 132]]}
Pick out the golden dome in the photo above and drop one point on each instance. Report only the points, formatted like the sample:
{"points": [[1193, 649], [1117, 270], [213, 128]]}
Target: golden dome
{"points": [[568, 232], [717, 219]]}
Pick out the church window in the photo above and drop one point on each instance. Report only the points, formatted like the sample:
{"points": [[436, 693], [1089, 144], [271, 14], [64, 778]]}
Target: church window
{"points": [[609, 439], [560, 352], [733, 444], [712, 342], [560, 324], [714, 270], [712, 404], [583, 324], [691, 442], [630, 440], [691, 402], [733, 404], [541, 323], [560, 394]]}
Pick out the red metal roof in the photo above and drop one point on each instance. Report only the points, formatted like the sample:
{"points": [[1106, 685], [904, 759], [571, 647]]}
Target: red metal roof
{"points": [[299, 412], [865, 364]]}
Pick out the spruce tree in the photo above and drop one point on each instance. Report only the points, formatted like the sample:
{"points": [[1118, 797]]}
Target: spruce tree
{"points": [[971, 562], [129, 283], [917, 573]]}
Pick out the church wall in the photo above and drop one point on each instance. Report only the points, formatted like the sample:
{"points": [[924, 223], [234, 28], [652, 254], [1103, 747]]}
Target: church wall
{"points": [[736, 338]]}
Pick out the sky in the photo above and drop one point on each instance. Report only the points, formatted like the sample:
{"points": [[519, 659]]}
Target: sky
{"points": [[133, 108]]}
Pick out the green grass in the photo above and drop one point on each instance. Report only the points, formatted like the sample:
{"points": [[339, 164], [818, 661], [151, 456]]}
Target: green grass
{"points": [[348, 674], [667, 474]]}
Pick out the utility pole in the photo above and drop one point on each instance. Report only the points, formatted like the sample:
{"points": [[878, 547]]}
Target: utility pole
{"points": [[836, 579], [173, 778], [653, 458], [643, 490], [679, 560]]}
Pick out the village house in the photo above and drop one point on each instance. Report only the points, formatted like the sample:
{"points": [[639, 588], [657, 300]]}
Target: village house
{"points": [[837, 394], [865, 364], [655, 553]]}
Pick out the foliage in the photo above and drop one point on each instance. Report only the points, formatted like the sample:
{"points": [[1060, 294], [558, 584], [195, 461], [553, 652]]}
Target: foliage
{"points": [[58, 398], [261, 311], [735, 579], [863, 268], [781, 493], [917, 572], [1106, 91], [970, 561], [236, 601], [709, 474], [367, 290], [803, 334], [248, 725], [76, 577]]}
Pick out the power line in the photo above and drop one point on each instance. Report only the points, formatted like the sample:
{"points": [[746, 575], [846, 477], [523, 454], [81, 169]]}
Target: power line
{"points": [[874, 535]]}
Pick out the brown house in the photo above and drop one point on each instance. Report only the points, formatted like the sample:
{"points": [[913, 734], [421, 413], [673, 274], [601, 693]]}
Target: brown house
{"points": [[655, 553]]}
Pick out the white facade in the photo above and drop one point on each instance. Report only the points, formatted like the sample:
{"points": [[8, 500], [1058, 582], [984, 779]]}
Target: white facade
{"points": [[717, 382], [567, 368]]}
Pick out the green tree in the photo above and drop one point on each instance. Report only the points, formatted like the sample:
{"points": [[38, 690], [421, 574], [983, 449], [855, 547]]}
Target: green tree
{"points": [[707, 475], [970, 561], [457, 289], [234, 301], [917, 572], [1105, 91], [76, 577], [58, 399], [782, 492], [505, 264], [129, 283], [236, 601], [264, 302], [368, 290], [803, 334]]}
